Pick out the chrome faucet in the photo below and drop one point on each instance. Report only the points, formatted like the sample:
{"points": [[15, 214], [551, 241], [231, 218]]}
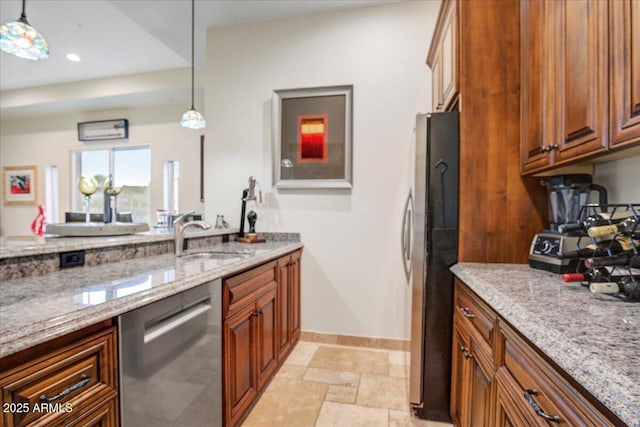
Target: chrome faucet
{"points": [[179, 227]]}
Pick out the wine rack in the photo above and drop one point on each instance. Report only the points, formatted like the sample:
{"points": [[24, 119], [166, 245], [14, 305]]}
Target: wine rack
{"points": [[615, 254]]}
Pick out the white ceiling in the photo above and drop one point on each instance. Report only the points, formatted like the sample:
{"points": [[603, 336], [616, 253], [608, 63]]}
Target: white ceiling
{"points": [[121, 37]]}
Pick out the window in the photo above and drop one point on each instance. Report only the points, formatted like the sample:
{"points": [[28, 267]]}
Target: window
{"points": [[171, 181], [131, 166], [51, 194]]}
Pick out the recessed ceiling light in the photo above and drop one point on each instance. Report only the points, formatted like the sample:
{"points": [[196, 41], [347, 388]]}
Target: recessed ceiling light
{"points": [[73, 57]]}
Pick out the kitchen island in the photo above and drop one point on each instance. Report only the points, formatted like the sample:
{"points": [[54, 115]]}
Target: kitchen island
{"points": [[593, 338], [36, 309], [74, 335]]}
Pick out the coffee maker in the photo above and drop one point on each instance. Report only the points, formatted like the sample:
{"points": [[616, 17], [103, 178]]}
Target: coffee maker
{"points": [[567, 196]]}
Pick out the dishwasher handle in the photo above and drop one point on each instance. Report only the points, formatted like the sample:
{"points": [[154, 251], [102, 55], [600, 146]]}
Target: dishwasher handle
{"points": [[169, 324]]}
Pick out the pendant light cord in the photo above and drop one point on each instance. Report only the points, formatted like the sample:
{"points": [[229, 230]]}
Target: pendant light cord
{"points": [[193, 14], [23, 17]]}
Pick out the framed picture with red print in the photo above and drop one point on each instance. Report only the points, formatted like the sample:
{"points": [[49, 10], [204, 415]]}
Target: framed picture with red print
{"points": [[20, 185], [312, 137]]}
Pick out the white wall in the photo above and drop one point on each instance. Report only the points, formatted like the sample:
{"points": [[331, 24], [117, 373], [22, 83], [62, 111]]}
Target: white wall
{"points": [[353, 281], [49, 140], [620, 178]]}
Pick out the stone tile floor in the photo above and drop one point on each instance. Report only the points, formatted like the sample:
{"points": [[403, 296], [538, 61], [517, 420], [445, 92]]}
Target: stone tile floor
{"points": [[333, 385]]}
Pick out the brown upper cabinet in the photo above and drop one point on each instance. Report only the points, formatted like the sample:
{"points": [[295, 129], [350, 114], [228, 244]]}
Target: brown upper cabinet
{"points": [[566, 104], [624, 15], [443, 57], [564, 81]]}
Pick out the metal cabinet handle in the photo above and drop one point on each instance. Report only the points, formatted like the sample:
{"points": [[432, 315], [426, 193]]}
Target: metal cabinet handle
{"points": [[528, 394], [465, 313], [256, 314], [84, 380], [553, 147], [465, 352]]}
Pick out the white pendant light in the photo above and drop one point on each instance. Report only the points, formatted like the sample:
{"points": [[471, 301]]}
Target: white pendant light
{"points": [[22, 40], [192, 119]]}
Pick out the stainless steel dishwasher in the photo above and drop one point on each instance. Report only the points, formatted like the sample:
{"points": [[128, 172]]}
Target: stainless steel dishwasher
{"points": [[171, 362]]}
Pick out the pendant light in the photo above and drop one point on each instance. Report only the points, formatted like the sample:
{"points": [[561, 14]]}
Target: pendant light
{"points": [[22, 40], [192, 119]]}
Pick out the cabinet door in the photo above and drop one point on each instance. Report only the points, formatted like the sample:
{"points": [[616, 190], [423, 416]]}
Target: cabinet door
{"points": [[624, 21], [239, 359], [460, 380], [104, 415], [580, 40], [436, 82], [480, 393], [534, 99], [294, 299], [266, 342], [284, 304], [449, 57]]}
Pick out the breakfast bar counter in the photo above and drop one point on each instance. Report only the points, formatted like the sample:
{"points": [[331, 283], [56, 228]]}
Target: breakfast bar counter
{"points": [[594, 338]]}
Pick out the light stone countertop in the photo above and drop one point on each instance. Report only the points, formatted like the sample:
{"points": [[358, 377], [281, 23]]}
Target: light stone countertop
{"points": [[36, 309], [593, 338], [17, 246]]}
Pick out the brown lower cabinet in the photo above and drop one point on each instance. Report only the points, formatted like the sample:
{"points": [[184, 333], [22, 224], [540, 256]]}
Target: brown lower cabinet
{"points": [[261, 327], [500, 379], [472, 368], [71, 381]]}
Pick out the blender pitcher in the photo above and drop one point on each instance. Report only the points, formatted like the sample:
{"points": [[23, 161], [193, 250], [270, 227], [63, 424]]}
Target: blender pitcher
{"points": [[567, 195]]}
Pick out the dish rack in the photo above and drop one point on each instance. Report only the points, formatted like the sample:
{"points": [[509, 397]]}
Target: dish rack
{"points": [[615, 257]]}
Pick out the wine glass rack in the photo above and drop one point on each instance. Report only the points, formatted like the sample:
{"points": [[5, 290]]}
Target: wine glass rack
{"points": [[614, 257]]}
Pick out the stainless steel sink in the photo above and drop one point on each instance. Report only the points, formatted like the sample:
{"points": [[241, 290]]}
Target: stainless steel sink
{"points": [[217, 254], [210, 255]]}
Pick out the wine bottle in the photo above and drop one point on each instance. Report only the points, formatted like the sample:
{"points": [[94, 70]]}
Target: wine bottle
{"points": [[604, 287], [604, 248], [625, 226], [600, 219], [590, 276], [630, 288], [623, 259]]}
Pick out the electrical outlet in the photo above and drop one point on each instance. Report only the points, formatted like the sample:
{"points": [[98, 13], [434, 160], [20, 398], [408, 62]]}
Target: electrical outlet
{"points": [[71, 259]]}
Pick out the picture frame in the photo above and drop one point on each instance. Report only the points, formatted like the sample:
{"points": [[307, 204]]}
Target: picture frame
{"points": [[312, 137], [20, 185]]}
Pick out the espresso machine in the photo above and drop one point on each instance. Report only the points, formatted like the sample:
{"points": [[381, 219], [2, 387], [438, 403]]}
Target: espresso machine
{"points": [[567, 195]]}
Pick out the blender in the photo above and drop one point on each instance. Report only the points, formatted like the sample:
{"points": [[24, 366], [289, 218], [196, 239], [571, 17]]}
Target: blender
{"points": [[567, 195]]}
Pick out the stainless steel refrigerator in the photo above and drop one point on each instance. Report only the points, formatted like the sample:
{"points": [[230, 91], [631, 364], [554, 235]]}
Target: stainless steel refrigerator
{"points": [[434, 250]]}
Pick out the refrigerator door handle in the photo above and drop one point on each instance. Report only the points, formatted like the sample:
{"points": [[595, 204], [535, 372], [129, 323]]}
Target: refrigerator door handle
{"points": [[407, 233]]}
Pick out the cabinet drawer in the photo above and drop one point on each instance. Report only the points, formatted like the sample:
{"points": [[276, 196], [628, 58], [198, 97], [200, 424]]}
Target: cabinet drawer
{"points": [[52, 387], [479, 315], [535, 383], [238, 290], [103, 415]]}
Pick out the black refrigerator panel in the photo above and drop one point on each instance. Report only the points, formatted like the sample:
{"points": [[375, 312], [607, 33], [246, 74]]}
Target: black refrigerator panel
{"points": [[436, 222]]}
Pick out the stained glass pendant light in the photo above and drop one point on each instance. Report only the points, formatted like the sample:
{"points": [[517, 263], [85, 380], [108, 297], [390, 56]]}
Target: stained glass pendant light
{"points": [[192, 119], [22, 40]]}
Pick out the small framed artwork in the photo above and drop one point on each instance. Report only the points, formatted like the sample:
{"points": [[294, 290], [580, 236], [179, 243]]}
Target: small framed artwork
{"points": [[20, 185], [312, 136]]}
